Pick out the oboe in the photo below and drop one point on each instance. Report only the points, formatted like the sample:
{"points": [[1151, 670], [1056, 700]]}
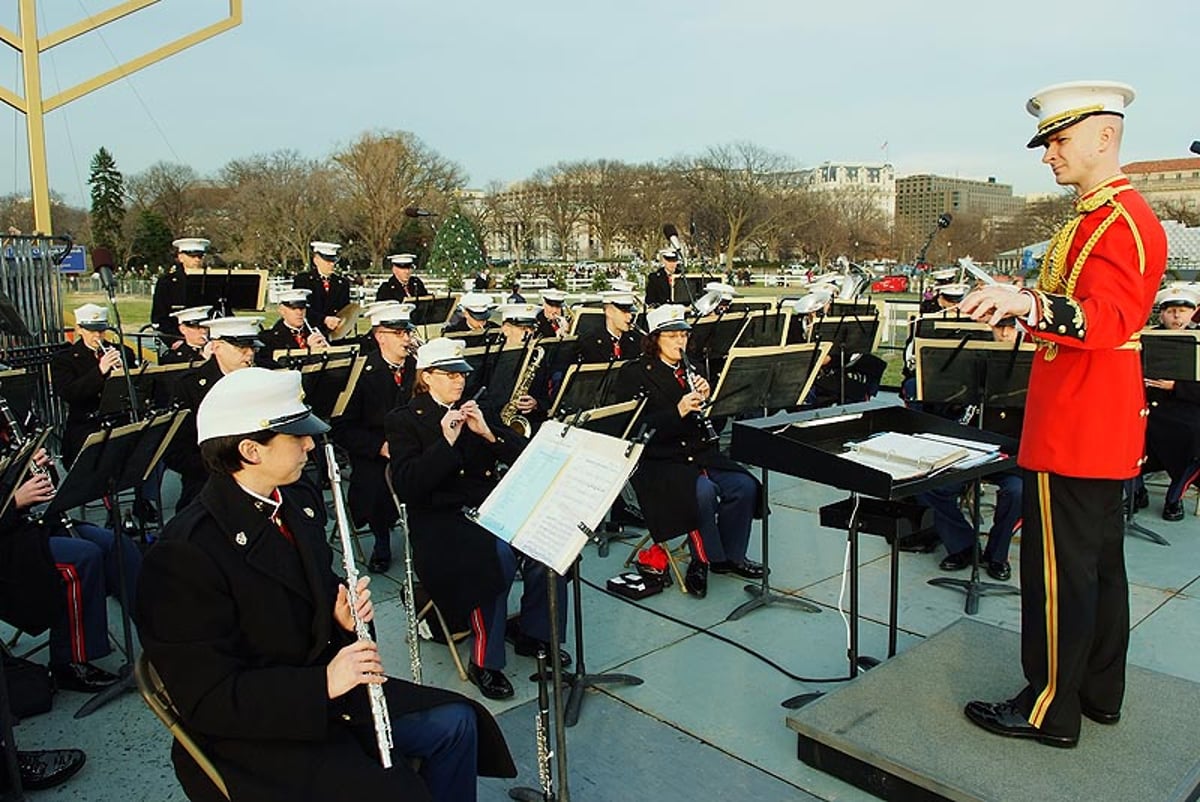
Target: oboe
{"points": [[542, 730], [379, 711], [710, 434]]}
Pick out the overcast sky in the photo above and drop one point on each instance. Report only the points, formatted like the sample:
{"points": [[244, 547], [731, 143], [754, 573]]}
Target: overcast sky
{"points": [[505, 88]]}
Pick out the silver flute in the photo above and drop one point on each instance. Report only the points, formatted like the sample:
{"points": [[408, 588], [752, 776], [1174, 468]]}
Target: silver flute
{"points": [[410, 607], [379, 710]]}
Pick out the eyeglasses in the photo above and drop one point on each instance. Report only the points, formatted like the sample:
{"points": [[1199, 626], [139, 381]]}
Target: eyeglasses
{"points": [[194, 254], [453, 374]]}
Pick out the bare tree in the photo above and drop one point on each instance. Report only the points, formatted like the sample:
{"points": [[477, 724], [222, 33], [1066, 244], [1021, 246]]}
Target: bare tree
{"points": [[167, 189], [560, 200], [1181, 210], [381, 174]]}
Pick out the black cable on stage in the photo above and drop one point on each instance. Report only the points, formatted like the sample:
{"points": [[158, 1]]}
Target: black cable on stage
{"points": [[688, 625]]}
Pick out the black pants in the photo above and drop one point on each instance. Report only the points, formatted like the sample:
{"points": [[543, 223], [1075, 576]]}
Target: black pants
{"points": [[1074, 599]]}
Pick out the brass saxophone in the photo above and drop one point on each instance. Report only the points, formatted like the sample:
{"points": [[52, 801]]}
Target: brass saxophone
{"points": [[379, 709], [510, 416]]}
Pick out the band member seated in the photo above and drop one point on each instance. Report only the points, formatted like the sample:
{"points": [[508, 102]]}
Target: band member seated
{"points": [[618, 340], [956, 532], [663, 285], [514, 294], [240, 612], [1173, 427], [79, 373], [403, 285], [684, 484], [519, 327], [386, 382], [170, 291], [292, 330], [445, 457], [87, 573], [551, 320], [329, 292], [232, 341], [475, 311], [932, 301], [191, 347]]}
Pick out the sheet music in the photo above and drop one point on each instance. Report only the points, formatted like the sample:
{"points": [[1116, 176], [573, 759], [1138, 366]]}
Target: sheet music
{"points": [[565, 476], [906, 455]]}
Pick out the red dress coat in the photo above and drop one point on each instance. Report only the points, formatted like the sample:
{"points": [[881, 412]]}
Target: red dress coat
{"points": [[1085, 414]]}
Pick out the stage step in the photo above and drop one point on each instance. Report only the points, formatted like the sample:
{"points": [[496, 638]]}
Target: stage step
{"points": [[898, 731]]}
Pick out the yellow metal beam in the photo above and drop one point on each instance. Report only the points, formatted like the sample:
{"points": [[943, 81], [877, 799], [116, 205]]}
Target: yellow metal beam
{"points": [[11, 98], [92, 23], [9, 38], [35, 114], [92, 84]]}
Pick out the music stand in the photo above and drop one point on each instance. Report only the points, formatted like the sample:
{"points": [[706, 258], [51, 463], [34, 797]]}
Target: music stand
{"points": [[713, 335], [850, 335], [985, 375], [1171, 354], [110, 461], [585, 386], [226, 289], [763, 379], [430, 309], [763, 327], [327, 379], [153, 387], [587, 321], [495, 367]]}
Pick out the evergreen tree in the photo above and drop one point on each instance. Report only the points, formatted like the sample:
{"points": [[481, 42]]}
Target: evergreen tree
{"points": [[456, 249], [152, 240], [108, 200]]}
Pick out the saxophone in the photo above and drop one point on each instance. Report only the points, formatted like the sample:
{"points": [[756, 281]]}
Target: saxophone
{"points": [[510, 416], [379, 711]]}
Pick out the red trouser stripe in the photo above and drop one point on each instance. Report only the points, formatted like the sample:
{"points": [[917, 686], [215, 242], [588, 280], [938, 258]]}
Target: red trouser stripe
{"points": [[698, 544], [70, 578], [477, 629]]}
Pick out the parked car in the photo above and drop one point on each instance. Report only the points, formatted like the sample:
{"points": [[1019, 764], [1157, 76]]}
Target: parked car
{"points": [[893, 283]]}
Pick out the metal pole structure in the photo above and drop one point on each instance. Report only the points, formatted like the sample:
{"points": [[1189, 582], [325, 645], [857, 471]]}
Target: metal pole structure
{"points": [[35, 106]]}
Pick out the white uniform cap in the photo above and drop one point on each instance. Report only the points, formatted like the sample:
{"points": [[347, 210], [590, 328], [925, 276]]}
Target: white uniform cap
{"points": [[327, 249], [523, 314], [954, 290], [294, 297], [1062, 105], [808, 304], [621, 300], [443, 353], [238, 330], [192, 316], [253, 400], [668, 317], [726, 290], [480, 304], [945, 274], [391, 315], [402, 259], [620, 285], [668, 253], [1177, 296], [191, 245], [91, 317], [553, 296]]}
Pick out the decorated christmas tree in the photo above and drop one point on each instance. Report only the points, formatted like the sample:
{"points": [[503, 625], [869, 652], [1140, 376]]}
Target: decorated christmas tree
{"points": [[456, 251]]}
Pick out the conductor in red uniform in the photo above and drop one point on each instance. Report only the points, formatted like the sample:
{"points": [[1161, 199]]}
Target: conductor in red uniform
{"points": [[1085, 420]]}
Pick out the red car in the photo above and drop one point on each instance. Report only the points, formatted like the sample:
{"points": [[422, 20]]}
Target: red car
{"points": [[891, 284]]}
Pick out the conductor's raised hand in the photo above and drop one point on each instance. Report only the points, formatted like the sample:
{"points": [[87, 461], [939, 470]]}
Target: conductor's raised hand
{"points": [[341, 607], [995, 302], [354, 665]]}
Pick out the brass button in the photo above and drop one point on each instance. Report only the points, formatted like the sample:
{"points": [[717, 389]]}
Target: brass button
{"points": [[1062, 329]]}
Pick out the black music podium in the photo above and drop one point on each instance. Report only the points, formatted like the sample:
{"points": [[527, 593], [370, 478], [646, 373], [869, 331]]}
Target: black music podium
{"points": [[810, 445]]}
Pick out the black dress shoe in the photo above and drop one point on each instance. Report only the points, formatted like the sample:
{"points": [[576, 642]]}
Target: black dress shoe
{"points": [[379, 565], [1141, 499], [696, 579], [747, 569], [528, 646], [1099, 716], [82, 677], [1005, 718], [1173, 511], [1000, 571], [491, 682], [46, 768], [958, 560]]}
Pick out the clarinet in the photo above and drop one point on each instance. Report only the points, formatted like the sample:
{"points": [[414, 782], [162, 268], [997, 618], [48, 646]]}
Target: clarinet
{"points": [[410, 608], [542, 730], [710, 434], [379, 711]]}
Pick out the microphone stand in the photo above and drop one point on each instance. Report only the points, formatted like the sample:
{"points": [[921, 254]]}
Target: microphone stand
{"points": [[943, 221]]}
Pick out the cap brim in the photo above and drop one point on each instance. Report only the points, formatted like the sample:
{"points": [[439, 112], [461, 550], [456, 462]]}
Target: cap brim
{"points": [[310, 424], [94, 326], [397, 325], [479, 315], [1175, 302], [242, 341], [674, 325], [456, 366], [1040, 138]]}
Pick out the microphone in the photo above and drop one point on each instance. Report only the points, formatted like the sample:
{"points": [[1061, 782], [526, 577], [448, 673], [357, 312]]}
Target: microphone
{"points": [[944, 219], [413, 211], [1196, 147], [672, 235]]}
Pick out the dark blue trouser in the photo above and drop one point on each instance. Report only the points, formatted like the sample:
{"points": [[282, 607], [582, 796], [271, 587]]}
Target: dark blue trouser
{"points": [[445, 739], [957, 533], [726, 500], [488, 621], [88, 566]]}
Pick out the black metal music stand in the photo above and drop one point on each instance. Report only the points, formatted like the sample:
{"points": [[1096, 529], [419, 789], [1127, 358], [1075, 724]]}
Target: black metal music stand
{"points": [[586, 386], [760, 380], [848, 335], [430, 309], [110, 461], [225, 289], [811, 445], [984, 375]]}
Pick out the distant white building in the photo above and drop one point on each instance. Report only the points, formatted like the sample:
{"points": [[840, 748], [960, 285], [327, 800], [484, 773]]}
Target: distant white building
{"points": [[876, 179]]}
